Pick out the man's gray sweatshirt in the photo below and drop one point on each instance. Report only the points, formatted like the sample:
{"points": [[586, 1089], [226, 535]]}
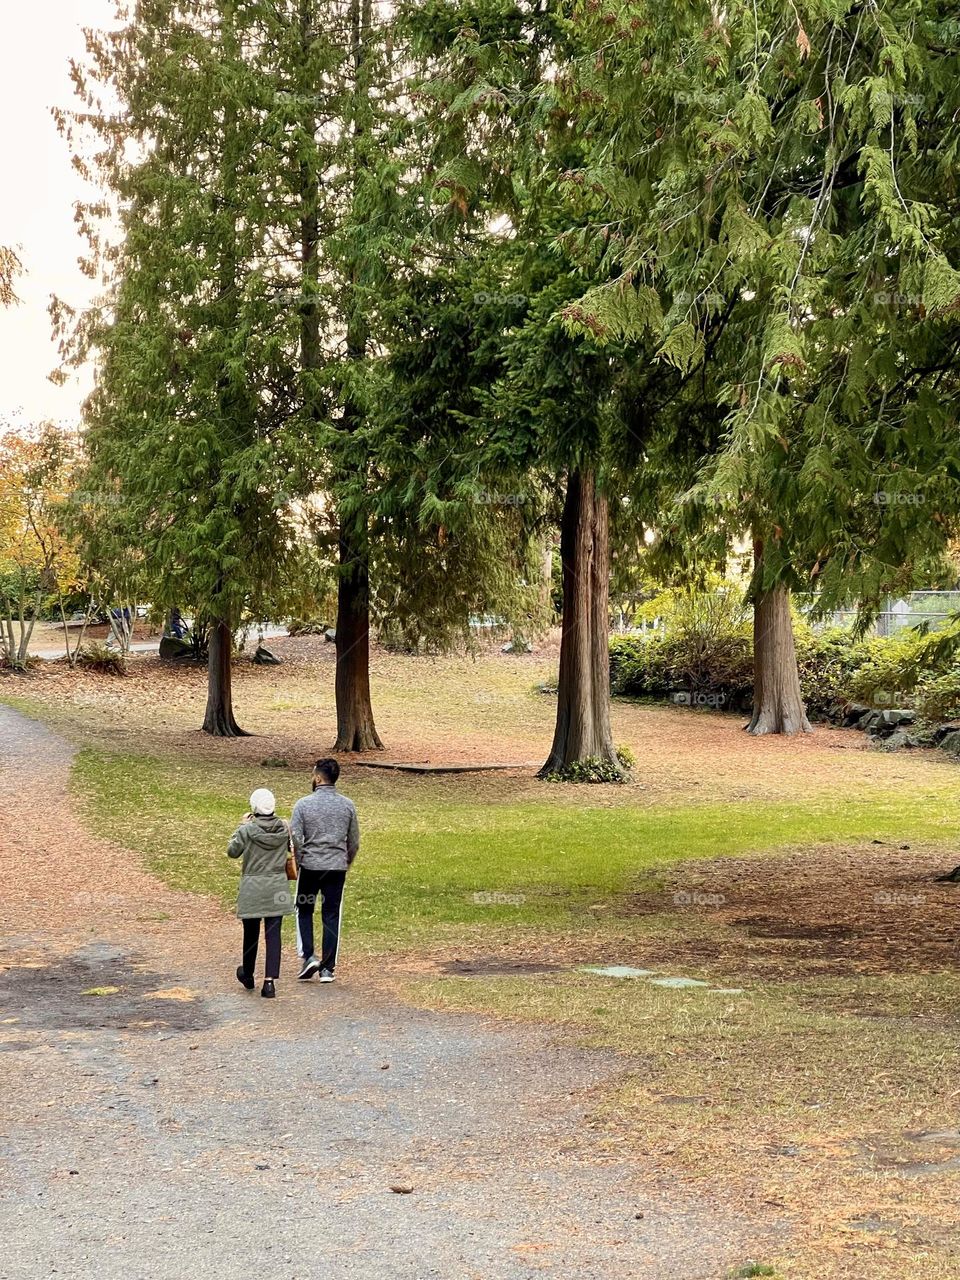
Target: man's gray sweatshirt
{"points": [[325, 831]]}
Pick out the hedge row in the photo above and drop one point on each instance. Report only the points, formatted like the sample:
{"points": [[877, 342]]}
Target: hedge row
{"points": [[908, 670]]}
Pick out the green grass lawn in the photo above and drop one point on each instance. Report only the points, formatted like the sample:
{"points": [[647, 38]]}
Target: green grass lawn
{"points": [[433, 863]]}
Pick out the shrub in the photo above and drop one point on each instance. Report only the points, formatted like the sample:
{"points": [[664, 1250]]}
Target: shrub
{"points": [[626, 757], [656, 665], [98, 657], [306, 627], [827, 662], [895, 666], [10, 668], [639, 665], [592, 769], [938, 698], [834, 667], [714, 634]]}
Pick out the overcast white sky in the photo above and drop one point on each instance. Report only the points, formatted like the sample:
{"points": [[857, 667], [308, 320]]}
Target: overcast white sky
{"points": [[37, 192]]}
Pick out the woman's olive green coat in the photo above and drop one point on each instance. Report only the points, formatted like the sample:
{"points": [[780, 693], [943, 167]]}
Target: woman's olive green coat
{"points": [[263, 844]]}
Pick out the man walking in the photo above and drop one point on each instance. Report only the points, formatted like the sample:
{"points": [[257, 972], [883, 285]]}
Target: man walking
{"points": [[326, 837]]}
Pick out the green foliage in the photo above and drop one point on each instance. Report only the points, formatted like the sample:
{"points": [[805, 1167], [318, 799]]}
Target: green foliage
{"points": [[897, 668], [626, 757], [24, 584], [553, 360], [195, 435], [705, 647], [642, 239], [938, 697], [712, 630], [277, 330], [95, 656], [782, 177], [590, 769], [656, 664], [913, 668], [827, 662], [640, 666]]}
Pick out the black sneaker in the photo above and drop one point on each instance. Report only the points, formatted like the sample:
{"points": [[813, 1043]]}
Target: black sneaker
{"points": [[310, 967], [243, 979], [326, 975], [268, 990]]}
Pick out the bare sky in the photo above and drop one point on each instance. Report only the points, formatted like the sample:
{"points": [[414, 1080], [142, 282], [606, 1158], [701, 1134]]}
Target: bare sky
{"points": [[37, 192]]}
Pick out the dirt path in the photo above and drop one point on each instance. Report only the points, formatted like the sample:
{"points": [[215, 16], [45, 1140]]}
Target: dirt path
{"points": [[177, 1125]]}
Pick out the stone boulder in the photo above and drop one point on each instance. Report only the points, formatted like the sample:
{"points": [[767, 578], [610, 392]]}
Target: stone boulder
{"points": [[902, 738], [870, 720], [264, 658], [894, 718], [174, 650], [943, 730], [852, 712]]}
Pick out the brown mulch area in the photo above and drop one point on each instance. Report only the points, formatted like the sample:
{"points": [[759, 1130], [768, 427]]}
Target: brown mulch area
{"points": [[456, 709], [851, 912]]}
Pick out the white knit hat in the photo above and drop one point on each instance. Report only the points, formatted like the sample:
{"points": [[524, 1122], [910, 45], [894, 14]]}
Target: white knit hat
{"points": [[263, 802]]}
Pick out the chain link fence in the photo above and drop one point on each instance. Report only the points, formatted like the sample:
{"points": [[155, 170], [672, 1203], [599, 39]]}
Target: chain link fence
{"points": [[935, 608]]}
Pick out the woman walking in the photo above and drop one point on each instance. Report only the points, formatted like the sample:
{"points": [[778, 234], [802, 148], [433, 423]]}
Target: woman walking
{"points": [[263, 842]]}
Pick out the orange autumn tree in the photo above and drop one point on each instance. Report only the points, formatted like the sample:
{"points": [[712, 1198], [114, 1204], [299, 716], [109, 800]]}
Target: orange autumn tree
{"points": [[38, 559]]}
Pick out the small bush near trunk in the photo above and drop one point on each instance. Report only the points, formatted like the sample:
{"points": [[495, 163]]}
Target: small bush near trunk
{"points": [[97, 657], [592, 769], [827, 662]]}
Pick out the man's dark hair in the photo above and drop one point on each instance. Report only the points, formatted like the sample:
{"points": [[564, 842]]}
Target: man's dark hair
{"points": [[328, 768]]}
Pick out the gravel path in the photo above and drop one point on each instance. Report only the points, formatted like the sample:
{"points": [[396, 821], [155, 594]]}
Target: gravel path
{"points": [[178, 1125]]}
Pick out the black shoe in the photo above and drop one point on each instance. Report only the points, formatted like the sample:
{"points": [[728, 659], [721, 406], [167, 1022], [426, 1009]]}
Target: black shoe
{"points": [[268, 990], [310, 966], [327, 975], [243, 979]]}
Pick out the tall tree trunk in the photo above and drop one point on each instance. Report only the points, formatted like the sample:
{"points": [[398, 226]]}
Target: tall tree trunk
{"points": [[583, 696], [356, 730], [778, 705], [219, 720]]}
